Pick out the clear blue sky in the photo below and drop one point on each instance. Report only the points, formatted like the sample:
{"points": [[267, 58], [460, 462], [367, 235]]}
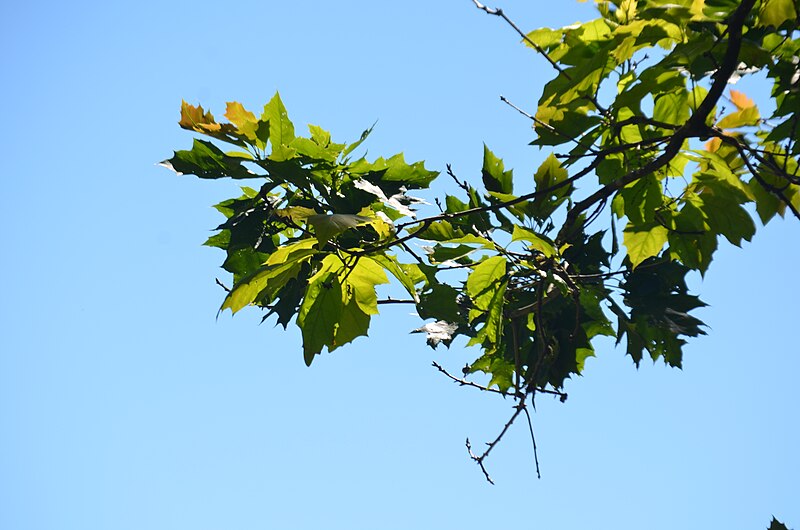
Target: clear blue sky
{"points": [[124, 404]]}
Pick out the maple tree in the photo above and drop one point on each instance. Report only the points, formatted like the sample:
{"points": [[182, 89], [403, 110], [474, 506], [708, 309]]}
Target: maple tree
{"points": [[639, 112]]}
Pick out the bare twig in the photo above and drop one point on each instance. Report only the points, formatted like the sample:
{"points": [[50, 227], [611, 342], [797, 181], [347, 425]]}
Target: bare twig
{"points": [[491, 445], [464, 382], [499, 12], [479, 460], [533, 439], [547, 126], [461, 184], [218, 282]]}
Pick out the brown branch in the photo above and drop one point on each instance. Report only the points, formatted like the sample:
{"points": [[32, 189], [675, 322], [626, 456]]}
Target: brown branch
{"points": [[218, 282], [391, 300]]}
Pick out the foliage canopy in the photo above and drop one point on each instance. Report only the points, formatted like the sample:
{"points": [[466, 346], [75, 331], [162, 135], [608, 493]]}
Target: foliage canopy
{"points": [[641, 129]]}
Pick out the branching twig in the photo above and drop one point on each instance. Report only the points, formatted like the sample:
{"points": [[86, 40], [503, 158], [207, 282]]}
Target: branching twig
{"points": [[464, 382], [461, 184], [491, 445]]}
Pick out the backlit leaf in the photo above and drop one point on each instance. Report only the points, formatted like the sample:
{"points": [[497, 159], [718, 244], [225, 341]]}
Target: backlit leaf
{"points": [[281, 129], [484, 280], [327, 226], [644, 242]]}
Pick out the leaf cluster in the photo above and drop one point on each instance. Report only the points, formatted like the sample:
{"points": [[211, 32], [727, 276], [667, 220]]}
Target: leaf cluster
{"points": [[653, 160]]}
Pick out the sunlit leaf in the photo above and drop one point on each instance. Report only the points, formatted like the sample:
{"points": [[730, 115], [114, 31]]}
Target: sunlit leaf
{"points": [[644, 242], [327, 226]]}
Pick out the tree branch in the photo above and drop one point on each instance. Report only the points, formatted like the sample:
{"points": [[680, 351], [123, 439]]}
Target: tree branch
{"points": [[464, 382], [695, 126], [499, 12], [491, 445]]}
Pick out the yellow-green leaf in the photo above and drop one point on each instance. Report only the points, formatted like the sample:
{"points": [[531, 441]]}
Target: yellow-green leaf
{"points": [[776, 12], [644, 242], [536, 241], [746, 117], [484, 280], [362, 279], [328, 226]]}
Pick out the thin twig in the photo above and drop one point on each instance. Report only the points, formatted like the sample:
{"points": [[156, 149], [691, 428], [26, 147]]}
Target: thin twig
{"points": [[462, 185], [464, 382], [218, 282], [491, 445], [499, 12], [479, 460], [533, 439], [547, 126]]}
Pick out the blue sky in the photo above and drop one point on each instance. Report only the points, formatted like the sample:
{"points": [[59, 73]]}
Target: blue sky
{"points": [[124, 404]]}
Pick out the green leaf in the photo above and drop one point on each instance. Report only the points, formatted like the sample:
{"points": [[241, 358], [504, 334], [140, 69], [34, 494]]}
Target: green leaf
{"points": [[776, 12], [492, 331], [776, 525], [390, 263], [644, 241], [281, 129], [642, 199], [361, 280], [268, 279], [549, 174], [207, 161], [672, 107], [545, 38], [352, 147], [328, 226], [292, 252], [440, 231], [495, 178], [243, 261], [536, 241], [501, 370], [442, 253], [395, 171], [319, 313], [728, 218], [352, 323], [484, 280], [440, 303]]}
